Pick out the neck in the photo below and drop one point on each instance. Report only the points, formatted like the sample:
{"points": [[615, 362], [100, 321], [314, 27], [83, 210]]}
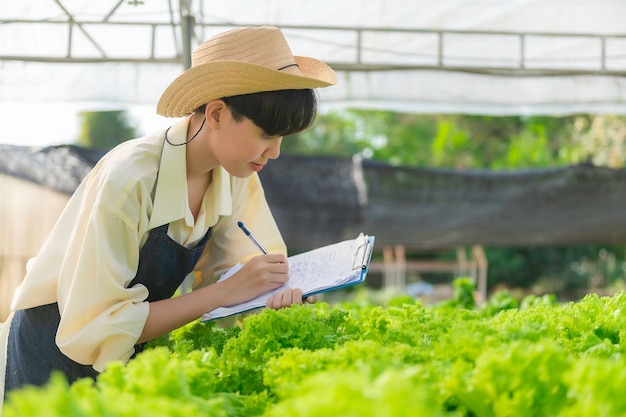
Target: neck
{"points": [[200, 160]]}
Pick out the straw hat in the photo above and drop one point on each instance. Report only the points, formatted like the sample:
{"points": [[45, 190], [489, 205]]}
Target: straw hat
{"points": [[241, 61]]}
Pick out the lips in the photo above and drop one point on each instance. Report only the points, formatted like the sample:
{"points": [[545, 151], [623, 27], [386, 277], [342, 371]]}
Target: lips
{"points": [[257, 167]]}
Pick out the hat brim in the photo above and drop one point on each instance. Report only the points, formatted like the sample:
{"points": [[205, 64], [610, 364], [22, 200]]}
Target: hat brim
{"points": [[214, 80]]}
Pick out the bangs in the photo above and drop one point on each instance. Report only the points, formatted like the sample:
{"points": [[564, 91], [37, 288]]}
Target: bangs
{"points": [[278, 113]]}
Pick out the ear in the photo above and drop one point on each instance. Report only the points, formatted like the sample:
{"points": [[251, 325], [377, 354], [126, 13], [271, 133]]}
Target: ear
{"points": [[214, 113]]}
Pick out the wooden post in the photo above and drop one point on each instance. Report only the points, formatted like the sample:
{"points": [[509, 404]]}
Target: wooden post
{"points": [[463, 264], [400, 267], [388, 270], [481, 260]]}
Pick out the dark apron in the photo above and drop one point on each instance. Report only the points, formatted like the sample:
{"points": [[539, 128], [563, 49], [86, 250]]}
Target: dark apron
{"points": [[32, 353]]}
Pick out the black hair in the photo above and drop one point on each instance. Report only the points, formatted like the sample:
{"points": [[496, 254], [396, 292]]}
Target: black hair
{"points": [[278, 113]]}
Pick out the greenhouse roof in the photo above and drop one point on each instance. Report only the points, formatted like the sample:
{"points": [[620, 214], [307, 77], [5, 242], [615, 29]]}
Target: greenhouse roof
{"points": [[423, 56]]}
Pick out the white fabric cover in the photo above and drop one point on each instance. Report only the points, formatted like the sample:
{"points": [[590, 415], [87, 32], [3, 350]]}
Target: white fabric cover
{"points": [[428, 90]]}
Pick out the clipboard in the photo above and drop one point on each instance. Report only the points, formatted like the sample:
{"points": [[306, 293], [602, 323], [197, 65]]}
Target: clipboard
{"points": [[320, 270], [360, 264]]}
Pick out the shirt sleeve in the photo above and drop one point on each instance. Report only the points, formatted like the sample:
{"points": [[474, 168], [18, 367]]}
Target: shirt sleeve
{"points": [[228, 245], [101, 319]]}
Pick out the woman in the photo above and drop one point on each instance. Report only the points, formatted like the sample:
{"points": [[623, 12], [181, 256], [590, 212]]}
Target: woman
{"points": [[140, 221]]}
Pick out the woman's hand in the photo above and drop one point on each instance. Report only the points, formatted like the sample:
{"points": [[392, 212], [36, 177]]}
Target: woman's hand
{"points": [[288, 297], [259, 275]]}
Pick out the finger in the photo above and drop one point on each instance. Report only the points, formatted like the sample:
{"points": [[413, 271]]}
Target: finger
{"points": [[287, 297], [278, 268], [312, 299], [296, 296], [275, 258], [279, 279], [277, 301], [278, 272]]}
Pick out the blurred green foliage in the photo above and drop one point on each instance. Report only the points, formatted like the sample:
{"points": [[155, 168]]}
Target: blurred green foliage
{"points": [[105, 129], [465, 141]]}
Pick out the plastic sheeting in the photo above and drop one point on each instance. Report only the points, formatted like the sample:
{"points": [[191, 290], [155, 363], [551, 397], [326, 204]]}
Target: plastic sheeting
{"points": [[319, 200], [483, 72]]}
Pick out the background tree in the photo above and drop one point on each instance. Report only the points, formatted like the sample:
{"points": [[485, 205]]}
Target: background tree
{"points": [[105, 129], [465, 141]]}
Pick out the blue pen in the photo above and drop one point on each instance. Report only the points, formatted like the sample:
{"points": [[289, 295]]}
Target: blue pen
{"points": [[249, 234]]}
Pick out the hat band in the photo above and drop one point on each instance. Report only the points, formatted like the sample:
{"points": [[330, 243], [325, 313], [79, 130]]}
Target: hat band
{"points": [[287, 66]]}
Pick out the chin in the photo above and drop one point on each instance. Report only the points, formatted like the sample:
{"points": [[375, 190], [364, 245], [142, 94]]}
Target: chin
{"points": [[239, 174]]}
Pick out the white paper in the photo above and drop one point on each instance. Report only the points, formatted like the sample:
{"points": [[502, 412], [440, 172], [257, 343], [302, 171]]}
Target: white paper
{"points": [[314, 271]]}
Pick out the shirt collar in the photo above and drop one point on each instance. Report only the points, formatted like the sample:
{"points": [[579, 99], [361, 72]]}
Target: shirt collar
{"points": [[170, 198], [220, 197], [171, 184]]}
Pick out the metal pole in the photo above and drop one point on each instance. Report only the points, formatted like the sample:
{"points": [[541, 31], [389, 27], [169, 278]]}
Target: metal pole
{"points": [[186, 28]]}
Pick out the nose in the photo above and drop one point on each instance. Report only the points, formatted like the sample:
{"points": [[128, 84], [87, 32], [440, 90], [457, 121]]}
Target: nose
{"points": [[273, 150]]}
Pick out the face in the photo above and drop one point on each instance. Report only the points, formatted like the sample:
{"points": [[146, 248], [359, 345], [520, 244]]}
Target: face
{"points": [[242, 147]]}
